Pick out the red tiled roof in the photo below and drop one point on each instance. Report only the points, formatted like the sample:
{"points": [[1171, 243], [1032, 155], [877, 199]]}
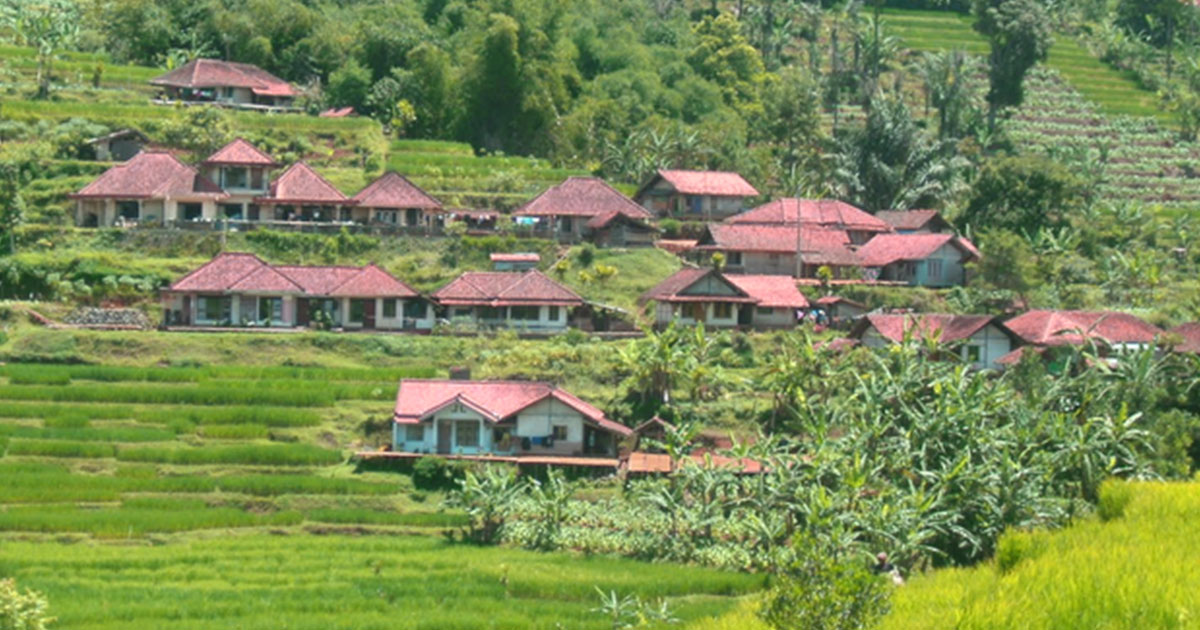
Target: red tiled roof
{"points": [[765, 291], [837, 299], [1054, 328], [716, 183], [239, 272], [582, 197], [676, 245], [417, 399], [818, 245], [505, 288], [151, 175], [300, 184], [829, 213], [337, 112], [922, 325], [393, 190], [518, 257], [907, 219], [211, 73], [1190, 333], [770, 291], [886, 249], [241, 153]]}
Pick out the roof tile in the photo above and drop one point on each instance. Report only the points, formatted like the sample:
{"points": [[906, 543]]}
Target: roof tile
{"points": [[241, 153], [505, 288], [716, 183], [1054, 328], [151, 175], [828, 213], [210, 73], [886, 249], [893, 326], [584, 197], [393, 190], [300, 184]]}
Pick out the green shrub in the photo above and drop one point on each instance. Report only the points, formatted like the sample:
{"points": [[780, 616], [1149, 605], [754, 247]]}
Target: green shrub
{"points": [[59, 448], [1016, 546], [376, 517], [234, 431], [1114, 498], [254, 454], [433, 473]]}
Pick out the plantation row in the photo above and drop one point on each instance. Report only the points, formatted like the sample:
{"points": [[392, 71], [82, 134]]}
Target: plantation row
{"points": [[110, 373], [279, 393], [246, 454], [180, 419]]}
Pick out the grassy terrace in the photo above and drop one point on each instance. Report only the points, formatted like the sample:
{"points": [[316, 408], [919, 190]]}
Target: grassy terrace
{"points": [[1114, 91]]}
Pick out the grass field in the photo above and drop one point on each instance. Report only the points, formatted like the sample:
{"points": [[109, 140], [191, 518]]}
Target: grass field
{"points": [[303, 582]]}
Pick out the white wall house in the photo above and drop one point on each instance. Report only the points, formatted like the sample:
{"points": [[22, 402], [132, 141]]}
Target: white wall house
{"points": [[977, 340]]}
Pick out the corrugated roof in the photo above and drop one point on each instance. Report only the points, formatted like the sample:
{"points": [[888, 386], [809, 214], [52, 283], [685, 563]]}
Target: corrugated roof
{"points": [[151, 175], [1053, 328], [828, 213], [418, 399], [506, 288], [393, 190]]}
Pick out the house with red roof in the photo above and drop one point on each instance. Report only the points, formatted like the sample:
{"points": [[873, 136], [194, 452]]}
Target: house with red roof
{"points": [[518, 261], [151, 187], [977, 340], [925, 260], [1045, 331], [527, 300], [243, 171], [915, 221], [395, 201], [829, 214], [695, 195], [463, 417], [225, 83], [771, 249], [239, 289], [707, 296], [1186, 337], [301, 194], [587, 208]]}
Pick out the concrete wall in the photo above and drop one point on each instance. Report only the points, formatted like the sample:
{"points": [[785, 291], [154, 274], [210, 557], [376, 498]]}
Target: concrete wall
{"points": [[774, 317], [924, 273], [543, 322], [683, 314]]}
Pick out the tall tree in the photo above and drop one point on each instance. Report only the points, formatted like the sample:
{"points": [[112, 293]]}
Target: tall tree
{"points": [[1019, 34]]}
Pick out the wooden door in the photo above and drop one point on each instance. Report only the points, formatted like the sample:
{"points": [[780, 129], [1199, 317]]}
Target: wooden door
{"points": [[368, 313], [185, 317], [443, 437], [302, 312]]}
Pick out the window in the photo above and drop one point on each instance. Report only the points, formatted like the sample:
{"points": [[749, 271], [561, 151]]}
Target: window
{"points": [[733, 259], [232, 210], [214, 308], [386, 216], [415, 309], [414, 433], [559, 432], [565, 224], [356, 310], [235, 177], [934, 265], [128, 209], [762, 310], [192, 211], [972, 353], [389, 308], [524, 313], [462, 312], [553, 314], [256, 178], [722, 310], [270, 309], [228, 92], [491, 312], [502, 439], [467, 433], [773, 258]]}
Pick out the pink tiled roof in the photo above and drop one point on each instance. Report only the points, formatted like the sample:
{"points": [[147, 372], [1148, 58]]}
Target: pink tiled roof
{"points": [[1190, 333], [393, 190], [820, 246], [151, 175], [518, 257], [907, 219], [716, 183], [505, 288], [418, 399], [770, 291], [337, 112], [829, 213], [212, 73], [886, 249], [830, 300], [675, 245], [765, 291], [1054, 328], [300, 184], [922, 325], [241, 153], [239, 272], [582, 197]]}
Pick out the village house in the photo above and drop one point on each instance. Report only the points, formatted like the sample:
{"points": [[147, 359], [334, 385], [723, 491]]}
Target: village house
{"points": [[393, 200], [915, 221], [695, 195], [1045, 331], [225, 83], [301, 194], [978, 340], [238, 289], [829, 214], [526, 301], [520, 261], [243, 171], [924, 260], [517, 418], [707, 296], [151, 187], [118, 146], [771, 249], [838, 309], [587, 208]]}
